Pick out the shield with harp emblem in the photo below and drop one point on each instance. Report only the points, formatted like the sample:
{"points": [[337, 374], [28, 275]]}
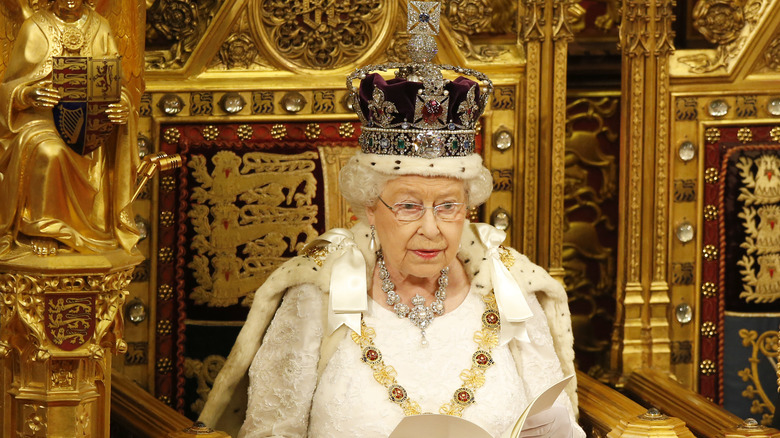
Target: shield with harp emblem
{"points": [[87, 87]]}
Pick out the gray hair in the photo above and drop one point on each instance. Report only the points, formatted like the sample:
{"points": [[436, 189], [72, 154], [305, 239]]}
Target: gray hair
{"points": [[361, 186]]}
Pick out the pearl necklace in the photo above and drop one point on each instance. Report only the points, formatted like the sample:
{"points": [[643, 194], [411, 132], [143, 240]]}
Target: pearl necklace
{"points": [[419, 314]]}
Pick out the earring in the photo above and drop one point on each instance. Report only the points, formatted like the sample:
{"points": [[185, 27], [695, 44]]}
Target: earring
{"points": [[373, 244]]}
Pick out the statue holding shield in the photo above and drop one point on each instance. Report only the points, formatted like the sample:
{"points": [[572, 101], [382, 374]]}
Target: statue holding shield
{"points": [[67, 157]]}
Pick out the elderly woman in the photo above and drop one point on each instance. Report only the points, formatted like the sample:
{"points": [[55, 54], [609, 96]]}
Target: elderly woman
{"points": [[421, 300], [414, 310]]}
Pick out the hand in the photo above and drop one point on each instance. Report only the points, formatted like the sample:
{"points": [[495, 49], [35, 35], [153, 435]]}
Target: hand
{"points": [[41, 95], [118, 113]]}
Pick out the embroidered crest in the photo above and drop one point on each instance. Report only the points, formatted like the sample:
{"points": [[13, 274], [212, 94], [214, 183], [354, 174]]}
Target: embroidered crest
{"points": [[249, 212], [760, 193]]}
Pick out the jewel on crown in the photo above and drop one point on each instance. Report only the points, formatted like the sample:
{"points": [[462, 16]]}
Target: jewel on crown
{"points": [[419, 112]]}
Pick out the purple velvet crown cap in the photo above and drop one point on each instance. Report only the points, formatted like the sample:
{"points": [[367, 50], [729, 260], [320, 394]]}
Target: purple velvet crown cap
{"points": [[403, 94]]}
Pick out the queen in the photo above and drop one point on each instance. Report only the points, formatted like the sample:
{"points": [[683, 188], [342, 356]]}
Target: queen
{"points": [[52, 197], [414, 309]]}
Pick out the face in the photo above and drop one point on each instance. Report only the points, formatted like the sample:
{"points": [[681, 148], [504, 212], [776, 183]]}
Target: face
{"points": [[68, 10], [424, 247]]}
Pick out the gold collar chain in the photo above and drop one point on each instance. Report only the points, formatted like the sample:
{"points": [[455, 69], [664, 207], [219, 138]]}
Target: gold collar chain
{"points": [[472, 378]]}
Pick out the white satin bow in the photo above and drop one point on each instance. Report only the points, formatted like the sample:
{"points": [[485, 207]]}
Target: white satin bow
{"points": [[348, 287], [510, 298]]}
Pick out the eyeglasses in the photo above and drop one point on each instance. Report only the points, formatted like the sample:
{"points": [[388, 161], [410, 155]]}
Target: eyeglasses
{"points": [[410, 211]]}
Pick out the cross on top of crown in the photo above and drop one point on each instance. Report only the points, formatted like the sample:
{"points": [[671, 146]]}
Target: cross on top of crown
{"points": [[424, 17]]}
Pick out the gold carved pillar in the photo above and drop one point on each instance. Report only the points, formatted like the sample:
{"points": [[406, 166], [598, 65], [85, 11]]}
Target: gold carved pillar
{"points": [[546, 35], [61, 322], [641, 334]]}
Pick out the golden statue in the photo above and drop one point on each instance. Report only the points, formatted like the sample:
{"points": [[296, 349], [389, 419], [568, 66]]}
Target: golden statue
{"points": [[68, 157]]}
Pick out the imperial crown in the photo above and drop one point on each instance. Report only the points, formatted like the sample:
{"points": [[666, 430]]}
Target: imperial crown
{"points": [[419, 113]]}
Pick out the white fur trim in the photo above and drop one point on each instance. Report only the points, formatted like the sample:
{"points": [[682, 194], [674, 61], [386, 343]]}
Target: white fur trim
{"points": [[466, 167]]}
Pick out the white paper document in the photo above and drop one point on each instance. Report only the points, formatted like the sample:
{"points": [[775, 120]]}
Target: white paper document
{"points": [[447, 426]]}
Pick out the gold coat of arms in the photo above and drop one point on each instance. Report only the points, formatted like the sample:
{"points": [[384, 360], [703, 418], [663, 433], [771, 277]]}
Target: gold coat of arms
{"points": [[87, 86]]}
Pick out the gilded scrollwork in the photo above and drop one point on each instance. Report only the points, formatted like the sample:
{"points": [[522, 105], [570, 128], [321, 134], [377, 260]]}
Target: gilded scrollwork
{"points": [[36, 422], [566, 15], [63, 312], [471, 17], [764, 345], [760, 193], [237, 246], [23, 301], [62, 374], [110, 301], [772, 55], [634, 30], [240, 49], [204, 372], [174, 28], [590, 182], [82, 420], [720, 21], [319, 34], [726, 23]]}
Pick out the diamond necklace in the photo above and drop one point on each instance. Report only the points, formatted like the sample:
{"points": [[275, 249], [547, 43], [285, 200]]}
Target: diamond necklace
{"points": [[419, 314]]}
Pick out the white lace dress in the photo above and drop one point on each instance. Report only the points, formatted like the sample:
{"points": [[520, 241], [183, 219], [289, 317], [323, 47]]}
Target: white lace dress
{"points": [[286, 400]]}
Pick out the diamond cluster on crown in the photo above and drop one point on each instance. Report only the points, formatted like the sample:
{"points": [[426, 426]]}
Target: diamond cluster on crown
{"points": [[431, 131]]}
